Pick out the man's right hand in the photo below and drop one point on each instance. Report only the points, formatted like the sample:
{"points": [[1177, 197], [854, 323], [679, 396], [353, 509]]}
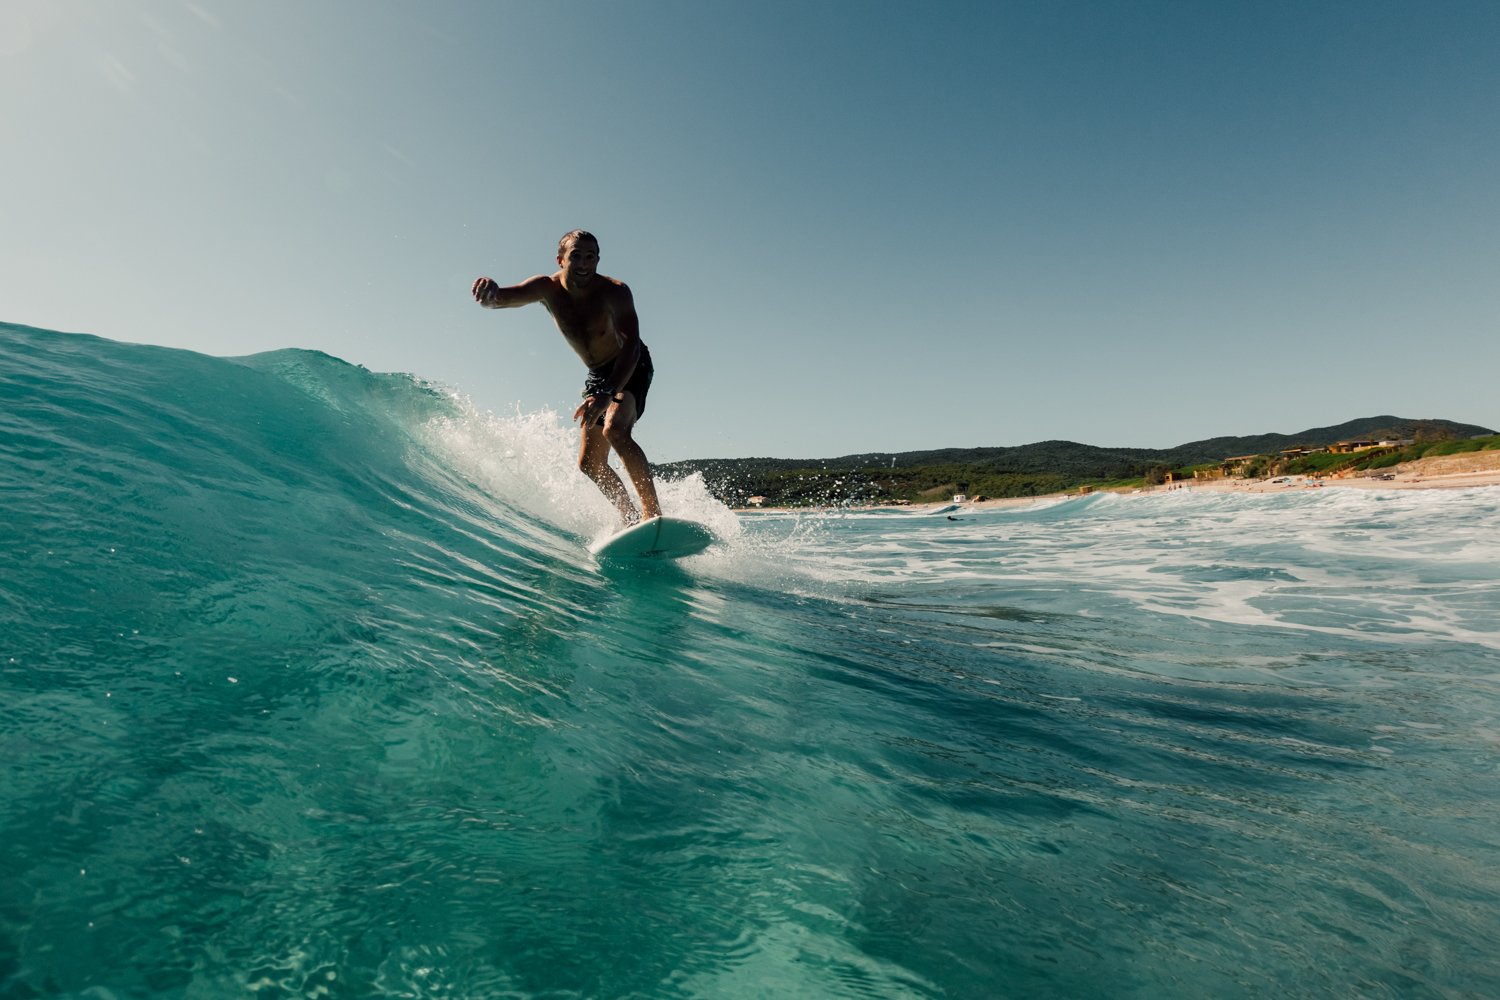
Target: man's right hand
{"points": [[493, 296], [486, 292]]}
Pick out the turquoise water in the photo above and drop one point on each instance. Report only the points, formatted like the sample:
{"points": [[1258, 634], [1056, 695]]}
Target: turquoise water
{"points": [[309, 688]]}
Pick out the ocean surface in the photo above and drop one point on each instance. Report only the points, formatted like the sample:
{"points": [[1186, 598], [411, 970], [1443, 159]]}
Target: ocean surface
{"points": [[309, 688]]}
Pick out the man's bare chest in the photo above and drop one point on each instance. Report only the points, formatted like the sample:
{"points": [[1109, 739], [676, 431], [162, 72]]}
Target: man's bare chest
{"points": [[582, 319]]}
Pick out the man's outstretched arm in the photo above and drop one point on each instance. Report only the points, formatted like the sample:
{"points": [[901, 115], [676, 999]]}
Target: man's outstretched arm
{"points": [[492, 296]]}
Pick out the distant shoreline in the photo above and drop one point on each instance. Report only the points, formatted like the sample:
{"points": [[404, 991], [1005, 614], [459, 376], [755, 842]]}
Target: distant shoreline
{"points": [[1445, 472]]}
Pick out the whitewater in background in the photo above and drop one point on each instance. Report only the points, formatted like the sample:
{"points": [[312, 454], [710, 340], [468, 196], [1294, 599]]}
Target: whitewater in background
{"points": [[309, 688]]}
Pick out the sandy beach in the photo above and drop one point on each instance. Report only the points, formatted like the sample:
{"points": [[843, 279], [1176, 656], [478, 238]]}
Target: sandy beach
{"points": [[1479, 468]]}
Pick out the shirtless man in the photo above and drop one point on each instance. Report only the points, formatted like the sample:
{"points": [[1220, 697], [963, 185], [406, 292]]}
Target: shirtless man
{"points": [[597, 318]]}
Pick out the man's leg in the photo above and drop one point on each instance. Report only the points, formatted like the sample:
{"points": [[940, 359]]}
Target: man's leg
{"points": [[618, 423], [593, 461]]}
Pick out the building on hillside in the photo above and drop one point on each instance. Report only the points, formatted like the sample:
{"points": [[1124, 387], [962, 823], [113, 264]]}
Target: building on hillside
{"points": [[1350, 447], [1237, 465]]}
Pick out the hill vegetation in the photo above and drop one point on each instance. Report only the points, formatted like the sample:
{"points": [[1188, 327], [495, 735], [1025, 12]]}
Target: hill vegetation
{"points": [[1055, 466]]}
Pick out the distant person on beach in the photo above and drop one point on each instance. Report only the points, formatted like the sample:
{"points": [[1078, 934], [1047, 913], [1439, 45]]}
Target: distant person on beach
{"points": [[597, 318]]}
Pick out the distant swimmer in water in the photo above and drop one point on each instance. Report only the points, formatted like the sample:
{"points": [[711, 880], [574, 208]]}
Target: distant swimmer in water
{"points": [[596, 315]]}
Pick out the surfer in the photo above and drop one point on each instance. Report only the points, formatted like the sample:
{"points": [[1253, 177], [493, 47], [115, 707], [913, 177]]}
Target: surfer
{"points": [[596, 315]]}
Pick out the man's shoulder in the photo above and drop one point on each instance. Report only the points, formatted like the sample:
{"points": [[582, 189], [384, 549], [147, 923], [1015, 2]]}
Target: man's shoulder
{"points": [[548, 285]]}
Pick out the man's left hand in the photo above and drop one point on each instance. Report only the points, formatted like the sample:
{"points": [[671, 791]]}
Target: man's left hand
{"points": [[589, 410]]}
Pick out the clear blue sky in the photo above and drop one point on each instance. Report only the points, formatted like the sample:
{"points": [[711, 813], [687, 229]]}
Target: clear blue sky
{"points": [[849, 226]]}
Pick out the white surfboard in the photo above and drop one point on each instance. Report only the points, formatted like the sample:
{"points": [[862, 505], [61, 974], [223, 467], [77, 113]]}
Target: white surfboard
{"points": [[658, 538]]}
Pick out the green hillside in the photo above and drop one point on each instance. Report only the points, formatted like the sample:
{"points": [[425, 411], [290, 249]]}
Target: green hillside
{"points": [[1024, 470]]}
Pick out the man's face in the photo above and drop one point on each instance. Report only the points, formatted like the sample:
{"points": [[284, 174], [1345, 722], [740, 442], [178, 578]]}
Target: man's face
{"points": [[580, 260]]}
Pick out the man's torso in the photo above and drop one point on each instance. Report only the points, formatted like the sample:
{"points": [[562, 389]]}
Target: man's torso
{"points": [[586, 320]]}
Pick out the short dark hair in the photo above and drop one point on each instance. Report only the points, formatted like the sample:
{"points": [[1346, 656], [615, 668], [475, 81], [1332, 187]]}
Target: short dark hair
{"points": [[571, 238]]}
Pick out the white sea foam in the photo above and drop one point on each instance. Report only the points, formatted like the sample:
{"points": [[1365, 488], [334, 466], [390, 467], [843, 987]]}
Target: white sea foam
{"points": [[529, 461], [1410, 567]]}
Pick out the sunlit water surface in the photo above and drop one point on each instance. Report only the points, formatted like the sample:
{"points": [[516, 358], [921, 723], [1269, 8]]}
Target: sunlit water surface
{"points": [[309, 687]]}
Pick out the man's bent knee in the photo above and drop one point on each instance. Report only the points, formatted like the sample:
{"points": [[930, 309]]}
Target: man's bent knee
{"points": [[617, 435]]}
